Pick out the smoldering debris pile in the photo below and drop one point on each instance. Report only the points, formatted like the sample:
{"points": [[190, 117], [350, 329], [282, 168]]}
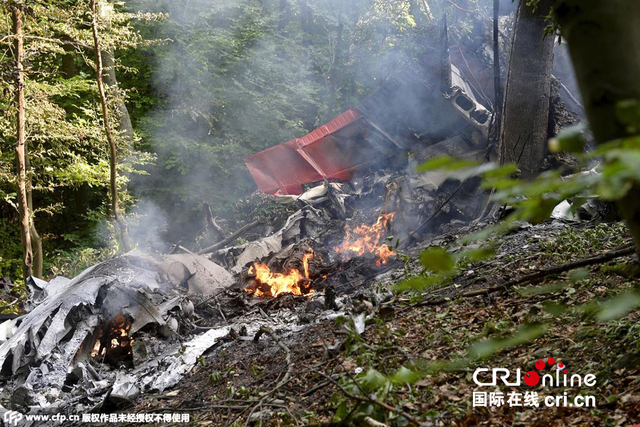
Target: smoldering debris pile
{"points": [[346, 233], [79, 336], [138, 322]]}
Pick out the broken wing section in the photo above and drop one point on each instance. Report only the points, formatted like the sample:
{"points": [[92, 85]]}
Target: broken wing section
{"points": [[281, 169], [462, 98], [332, 151]]}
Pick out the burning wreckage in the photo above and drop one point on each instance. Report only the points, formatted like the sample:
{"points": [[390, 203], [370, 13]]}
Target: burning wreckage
{"points": [[140, 322]]}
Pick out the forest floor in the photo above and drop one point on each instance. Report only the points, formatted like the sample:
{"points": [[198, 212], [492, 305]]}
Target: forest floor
{"points": [[335, 385]]}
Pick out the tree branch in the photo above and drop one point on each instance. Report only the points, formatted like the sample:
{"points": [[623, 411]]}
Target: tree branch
{"points": [[232, 237], [377, 402]]}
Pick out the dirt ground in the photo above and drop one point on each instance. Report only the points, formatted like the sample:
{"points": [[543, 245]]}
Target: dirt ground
{"points": [[339, 377]]}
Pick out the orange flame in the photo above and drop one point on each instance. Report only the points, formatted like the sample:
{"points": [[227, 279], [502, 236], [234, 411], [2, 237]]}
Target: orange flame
{"points": [[117, 336], [280, 283], [365, 239]]}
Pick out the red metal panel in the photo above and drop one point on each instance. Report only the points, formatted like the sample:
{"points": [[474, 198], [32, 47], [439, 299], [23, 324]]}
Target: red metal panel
{"points": [[283, 168], [334, 125]]}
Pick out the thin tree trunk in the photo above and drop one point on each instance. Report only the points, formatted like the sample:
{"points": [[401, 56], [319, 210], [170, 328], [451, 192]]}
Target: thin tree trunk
{"points": [[604, 43], [124, 238], [284, 14], [427, 10], [306, 16], [125, 128], [36, 240], [27, 261], [416, 12], [497, 83], [525, 121], [335, 73]]}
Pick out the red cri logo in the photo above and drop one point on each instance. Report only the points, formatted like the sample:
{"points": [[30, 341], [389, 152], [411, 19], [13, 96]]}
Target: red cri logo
{"points": [[532, 378]]}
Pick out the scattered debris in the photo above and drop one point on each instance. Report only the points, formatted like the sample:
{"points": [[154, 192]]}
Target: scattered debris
{"points": [[83, 336], [139, 323]]}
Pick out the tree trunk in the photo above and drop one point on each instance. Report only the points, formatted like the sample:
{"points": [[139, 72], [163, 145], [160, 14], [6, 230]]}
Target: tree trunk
{"points": [[284, 14], [124, 238], [604, 43], [427, 10], [36, 240], [528, 89], [306, 16], [335, 73], [497, 83], [27, 261], [416, 12], [125, 129], [68, 68]]}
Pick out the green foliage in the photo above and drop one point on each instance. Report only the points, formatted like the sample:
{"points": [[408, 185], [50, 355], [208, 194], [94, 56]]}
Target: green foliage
{"points": [[618, 306], [629, 115], [235, 77], [206, 83], [405, 376], [370, 384], [72, 262], [569, 140], [486, 348], [437, 260], [533, 202], [582, 242], [11, 250], [66, 147]]}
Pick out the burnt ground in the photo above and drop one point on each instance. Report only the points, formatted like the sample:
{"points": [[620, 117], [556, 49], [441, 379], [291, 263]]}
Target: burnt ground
{"points": [[328, 360]]}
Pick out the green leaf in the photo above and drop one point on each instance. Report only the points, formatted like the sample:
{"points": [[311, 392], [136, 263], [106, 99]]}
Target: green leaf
{"points": [[435, 163], [578, 275], [500, 183], [570, 140], [527, 333], [405, 376], [541, 290], [614, 184], [373, 380], [437, 259], [341, 412], [503, 171], [417, 283], [628, 113], [618, 306], [445, 163], [478, 254], [554, 308]]}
